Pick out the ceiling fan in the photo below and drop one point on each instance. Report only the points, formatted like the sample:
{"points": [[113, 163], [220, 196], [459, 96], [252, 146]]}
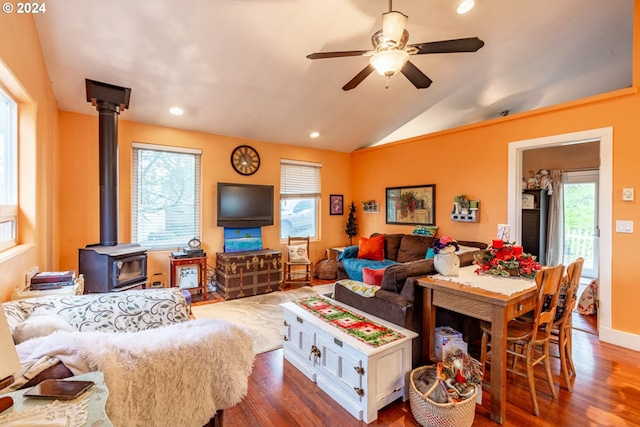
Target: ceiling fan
{"points": [[391, 52]]}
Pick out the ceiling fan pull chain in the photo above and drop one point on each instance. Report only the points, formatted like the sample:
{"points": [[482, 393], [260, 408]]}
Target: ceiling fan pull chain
{"points": [[387, 82]]}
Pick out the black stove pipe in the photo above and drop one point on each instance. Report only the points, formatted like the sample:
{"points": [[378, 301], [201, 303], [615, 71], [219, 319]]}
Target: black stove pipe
{"points": [[108, 100], [108, 146]]}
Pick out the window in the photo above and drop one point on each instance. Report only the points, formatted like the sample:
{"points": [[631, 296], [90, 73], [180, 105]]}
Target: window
{"points": [[8, 171], [165, 207], [299, 196]]}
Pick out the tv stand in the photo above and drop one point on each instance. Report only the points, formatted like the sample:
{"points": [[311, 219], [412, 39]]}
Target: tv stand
{"points": [[248, 273]]}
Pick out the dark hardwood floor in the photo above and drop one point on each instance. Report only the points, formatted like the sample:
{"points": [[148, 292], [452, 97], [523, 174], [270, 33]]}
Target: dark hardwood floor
{"points": [[606, 393]]}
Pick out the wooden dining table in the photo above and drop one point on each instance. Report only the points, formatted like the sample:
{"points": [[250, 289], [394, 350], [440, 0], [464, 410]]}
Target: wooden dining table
{"points": [[493, 299]]}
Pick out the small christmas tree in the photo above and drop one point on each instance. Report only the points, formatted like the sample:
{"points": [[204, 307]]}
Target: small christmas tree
{"points": [[352, 228]]}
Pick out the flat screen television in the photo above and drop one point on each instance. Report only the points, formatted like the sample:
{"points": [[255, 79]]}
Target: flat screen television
{"points": [[244, 205]]}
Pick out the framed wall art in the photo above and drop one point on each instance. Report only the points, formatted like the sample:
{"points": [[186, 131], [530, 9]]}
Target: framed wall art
{"points": [[335, 204], [412, 205]]}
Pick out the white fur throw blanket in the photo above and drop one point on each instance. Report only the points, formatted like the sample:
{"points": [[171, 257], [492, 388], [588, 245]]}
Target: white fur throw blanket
{"points": [[176, 375]]}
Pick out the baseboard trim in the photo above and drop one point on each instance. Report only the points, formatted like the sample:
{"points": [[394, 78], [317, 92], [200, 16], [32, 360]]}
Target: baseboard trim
{"points": [[619, 338]]}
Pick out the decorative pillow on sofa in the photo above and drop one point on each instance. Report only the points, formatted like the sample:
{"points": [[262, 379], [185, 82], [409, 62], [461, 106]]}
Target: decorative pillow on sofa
{"points": [[372, 276], [430, 253], [298, 253], [372, 248], [413, 247], [41, 323], [368, 291]]}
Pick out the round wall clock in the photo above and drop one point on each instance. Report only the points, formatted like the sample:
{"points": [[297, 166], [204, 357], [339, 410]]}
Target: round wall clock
{"points": [[245, 160]]}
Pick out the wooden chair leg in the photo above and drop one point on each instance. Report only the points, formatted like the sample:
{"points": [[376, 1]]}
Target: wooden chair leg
{"points": [[532, 381], [572, 368], [547, 367], [562, 349]]}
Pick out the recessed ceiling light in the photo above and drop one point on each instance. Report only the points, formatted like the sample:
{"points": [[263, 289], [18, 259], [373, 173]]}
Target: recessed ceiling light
{"points": [[176, 111], [465, 6], [314, 134]]}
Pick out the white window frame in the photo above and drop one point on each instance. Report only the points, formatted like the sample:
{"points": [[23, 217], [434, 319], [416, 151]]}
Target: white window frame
{"points": [[136, 147], [9, 170], [300, 180]]}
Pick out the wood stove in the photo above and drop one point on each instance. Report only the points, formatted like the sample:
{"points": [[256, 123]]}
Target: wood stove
{"points": [[109, 266]]}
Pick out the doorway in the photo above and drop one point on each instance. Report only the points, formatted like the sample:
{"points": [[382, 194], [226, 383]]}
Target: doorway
{"points": [[605, 220], [581, 231]]}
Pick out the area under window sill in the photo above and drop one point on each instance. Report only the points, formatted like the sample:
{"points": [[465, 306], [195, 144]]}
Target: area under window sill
{"points": [[14, 251]]}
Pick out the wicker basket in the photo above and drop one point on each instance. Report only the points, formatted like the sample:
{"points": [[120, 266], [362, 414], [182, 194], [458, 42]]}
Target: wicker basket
{"points": [[326, 268], [431, 414]]}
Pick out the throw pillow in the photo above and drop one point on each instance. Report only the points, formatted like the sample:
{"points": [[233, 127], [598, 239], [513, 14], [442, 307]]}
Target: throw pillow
{"points": [[391, 246], [372, 276], [372, 248], [367, 291], [413, 247], [430, 253], [298, 254], [40, 324]]}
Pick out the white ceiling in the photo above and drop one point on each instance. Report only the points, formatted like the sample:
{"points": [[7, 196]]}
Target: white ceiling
{"points": [[239, 67]]}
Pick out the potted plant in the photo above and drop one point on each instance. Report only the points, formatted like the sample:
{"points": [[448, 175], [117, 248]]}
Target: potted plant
{"points": [[351, 228], [462, 204]]}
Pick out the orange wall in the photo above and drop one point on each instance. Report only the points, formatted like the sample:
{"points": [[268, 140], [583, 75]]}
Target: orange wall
{"points": [[473, 160], [79, 225], [24, 74]]}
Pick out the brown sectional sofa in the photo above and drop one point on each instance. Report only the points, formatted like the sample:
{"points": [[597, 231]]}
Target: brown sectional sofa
{"points": [[399, 299]]}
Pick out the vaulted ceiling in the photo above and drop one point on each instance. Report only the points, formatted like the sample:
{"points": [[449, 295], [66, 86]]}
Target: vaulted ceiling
{"points": [[239, 67]]}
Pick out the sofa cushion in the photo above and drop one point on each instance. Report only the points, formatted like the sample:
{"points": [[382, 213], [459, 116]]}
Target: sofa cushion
{"points": [[391, 245], [413, 247], [372, 276], [112, 312], [40, 324], [395, 275], [372, 248]]}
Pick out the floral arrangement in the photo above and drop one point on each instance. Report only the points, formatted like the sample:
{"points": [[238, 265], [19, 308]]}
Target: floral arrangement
{"points": [[506, 260], [407, 203], [445, 244]]}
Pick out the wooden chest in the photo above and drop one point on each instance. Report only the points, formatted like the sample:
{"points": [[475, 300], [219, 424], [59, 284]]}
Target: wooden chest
{"points": [[243, 274], [362, 379]]}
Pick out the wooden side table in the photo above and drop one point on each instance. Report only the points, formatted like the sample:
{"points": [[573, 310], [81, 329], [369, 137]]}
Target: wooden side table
{"points": [[96, 398], [200, 263]]}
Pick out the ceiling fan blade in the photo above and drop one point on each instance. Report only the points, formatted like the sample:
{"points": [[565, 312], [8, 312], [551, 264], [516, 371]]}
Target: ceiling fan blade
{"points": [[415, 76], [358, 78], [471, 44], [322, 55]]}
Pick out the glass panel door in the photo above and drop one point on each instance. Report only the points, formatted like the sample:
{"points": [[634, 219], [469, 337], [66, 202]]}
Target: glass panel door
{"points": [[581, 220]]}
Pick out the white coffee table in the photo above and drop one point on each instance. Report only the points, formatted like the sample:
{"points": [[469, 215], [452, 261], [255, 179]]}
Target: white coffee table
{"points": [[361, 378]]}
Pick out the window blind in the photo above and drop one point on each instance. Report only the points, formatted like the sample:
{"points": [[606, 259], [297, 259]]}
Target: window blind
{"points": [[299, 179], [165, 207]]}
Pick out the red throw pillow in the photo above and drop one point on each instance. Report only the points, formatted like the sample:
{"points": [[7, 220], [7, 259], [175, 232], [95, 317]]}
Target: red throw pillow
{"points": [[372, 276], [372, 248]]}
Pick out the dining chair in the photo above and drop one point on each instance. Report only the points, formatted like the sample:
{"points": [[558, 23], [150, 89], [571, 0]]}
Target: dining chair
{"points": [[529, 341], [297, 268], [562, 330]]}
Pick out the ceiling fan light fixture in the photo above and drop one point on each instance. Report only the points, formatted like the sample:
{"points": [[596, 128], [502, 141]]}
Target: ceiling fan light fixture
{"points": [[389, 62], [393, 26], [465, 6]]}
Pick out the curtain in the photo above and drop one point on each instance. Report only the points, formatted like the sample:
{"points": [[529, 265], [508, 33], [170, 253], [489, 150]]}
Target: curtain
{"points": [[555, 227]]}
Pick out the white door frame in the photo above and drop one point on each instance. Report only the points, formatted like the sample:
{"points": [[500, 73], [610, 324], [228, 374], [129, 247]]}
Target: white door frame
{"points": [[605, 136]]}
